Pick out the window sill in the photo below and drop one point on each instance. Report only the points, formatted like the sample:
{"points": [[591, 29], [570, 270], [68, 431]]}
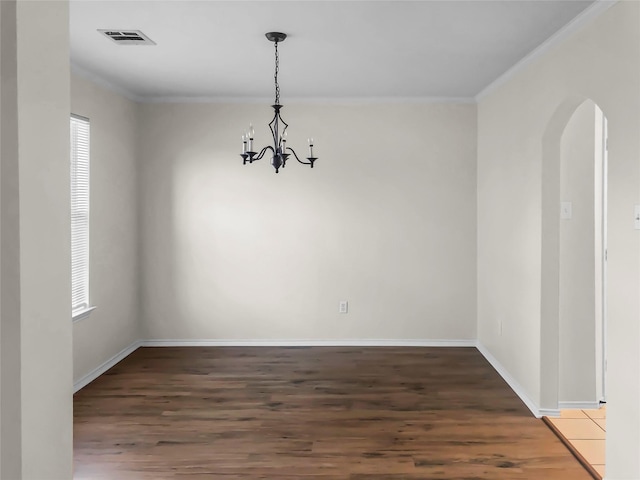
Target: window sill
{"points": [[82, 314]]}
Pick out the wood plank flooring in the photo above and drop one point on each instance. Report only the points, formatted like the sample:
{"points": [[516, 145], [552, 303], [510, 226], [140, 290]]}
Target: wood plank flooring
{"points": [[314, 413]]}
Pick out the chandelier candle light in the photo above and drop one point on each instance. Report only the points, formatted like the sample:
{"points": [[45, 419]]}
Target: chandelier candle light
{"points": [[278, 127]]}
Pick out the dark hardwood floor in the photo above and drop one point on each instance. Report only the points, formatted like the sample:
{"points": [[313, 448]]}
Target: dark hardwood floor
{"points": [[317, 413]]}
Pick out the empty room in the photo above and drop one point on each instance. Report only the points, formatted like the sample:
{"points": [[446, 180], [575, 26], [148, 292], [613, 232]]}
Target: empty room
{"points": [[357, 240]]}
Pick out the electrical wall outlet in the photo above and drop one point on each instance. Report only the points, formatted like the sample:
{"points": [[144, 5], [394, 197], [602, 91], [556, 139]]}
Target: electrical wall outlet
{"points": [[343, 307]]}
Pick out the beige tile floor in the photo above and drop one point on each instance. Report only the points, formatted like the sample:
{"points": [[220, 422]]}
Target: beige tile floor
{"points": [[586, 430]]}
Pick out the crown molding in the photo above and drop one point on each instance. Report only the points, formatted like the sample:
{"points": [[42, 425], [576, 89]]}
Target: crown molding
{"points": [[585, 17], [310, 100], [98, 80], [154, 99]]}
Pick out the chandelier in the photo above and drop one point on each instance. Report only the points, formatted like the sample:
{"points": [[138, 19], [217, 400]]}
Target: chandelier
{"points": [[278, 127]]}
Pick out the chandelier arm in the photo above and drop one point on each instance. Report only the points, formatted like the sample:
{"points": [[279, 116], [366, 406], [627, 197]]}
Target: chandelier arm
{"points": [[262, 152], [311, 159]]}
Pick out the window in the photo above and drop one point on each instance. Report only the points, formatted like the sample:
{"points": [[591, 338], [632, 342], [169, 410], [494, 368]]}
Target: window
{"points": [[80, 305]]}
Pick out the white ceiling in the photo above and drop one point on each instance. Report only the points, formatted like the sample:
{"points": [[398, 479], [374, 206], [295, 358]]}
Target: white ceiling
{"points": [[335, 49]]}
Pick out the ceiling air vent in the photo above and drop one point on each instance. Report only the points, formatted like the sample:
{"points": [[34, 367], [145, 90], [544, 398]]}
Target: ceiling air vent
{"points": [[127, 37]]}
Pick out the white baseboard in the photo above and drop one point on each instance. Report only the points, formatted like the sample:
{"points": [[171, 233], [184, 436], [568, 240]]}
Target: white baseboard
{"points": [[549, 412], [307, 343], [592, 405], [95, 373], [515, 386]]}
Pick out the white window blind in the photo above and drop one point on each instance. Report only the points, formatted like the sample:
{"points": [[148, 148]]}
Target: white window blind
{"points": [[79, 214]]}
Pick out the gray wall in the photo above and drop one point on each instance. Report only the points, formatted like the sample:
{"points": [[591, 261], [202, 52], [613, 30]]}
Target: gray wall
{"points": [[519, 129], [36, 419], [386, 221], [114, 266]]}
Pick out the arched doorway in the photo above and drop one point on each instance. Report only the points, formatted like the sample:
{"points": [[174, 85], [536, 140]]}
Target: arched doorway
{"points": [[582, 262], [573, 298]]}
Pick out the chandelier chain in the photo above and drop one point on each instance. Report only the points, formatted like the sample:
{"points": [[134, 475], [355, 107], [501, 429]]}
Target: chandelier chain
{"points": [[275, 76]]}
